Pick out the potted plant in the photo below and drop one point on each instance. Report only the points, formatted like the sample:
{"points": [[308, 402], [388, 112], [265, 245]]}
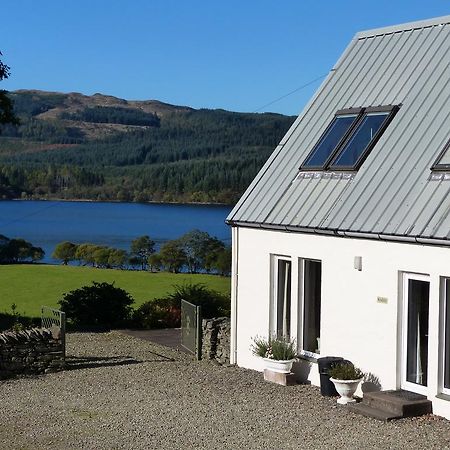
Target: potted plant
{"points": [[277, 352], [345, 377]]}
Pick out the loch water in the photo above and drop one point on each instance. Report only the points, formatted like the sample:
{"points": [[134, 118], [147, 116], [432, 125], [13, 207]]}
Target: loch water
{"points": [[46, 223]]}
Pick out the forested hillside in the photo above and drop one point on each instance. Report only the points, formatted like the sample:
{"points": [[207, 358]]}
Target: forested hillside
{"points": [[103, 148]]}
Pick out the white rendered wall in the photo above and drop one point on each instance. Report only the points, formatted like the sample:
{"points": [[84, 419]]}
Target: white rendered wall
{"points": [[354, 324]]}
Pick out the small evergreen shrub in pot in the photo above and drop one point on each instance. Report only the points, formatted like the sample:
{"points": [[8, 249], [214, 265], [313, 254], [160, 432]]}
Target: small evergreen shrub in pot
{"points": [[278, 352], [346, 378]]}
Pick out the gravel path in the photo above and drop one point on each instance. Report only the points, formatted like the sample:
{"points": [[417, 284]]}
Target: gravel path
{"points": [[125, 393]]}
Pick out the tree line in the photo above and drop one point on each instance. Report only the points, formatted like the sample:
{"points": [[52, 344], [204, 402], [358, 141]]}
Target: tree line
{"points": [[195, 251], [198, 181], [18, 251]]}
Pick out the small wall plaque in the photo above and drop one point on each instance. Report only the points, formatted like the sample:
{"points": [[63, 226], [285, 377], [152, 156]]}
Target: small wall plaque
{"points": [[382, 300]]}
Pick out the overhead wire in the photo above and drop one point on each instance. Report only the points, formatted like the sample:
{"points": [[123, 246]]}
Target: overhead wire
{"points": [[303, 86], [33, 213]]}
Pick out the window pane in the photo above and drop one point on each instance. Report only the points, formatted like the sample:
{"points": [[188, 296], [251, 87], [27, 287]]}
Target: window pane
{"points": [[417, 332], [360, 139], [445, 159], [330, 140], [312, 304], [447, 336], [283, 299]]}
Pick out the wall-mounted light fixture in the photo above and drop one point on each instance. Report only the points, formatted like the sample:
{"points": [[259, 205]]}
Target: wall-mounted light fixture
{"points": [[357, 264]]}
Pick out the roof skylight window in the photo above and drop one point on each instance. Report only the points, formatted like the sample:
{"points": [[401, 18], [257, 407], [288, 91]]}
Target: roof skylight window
{"points": [[362, 137], [332, 137], [349, 139], [443, 161]]}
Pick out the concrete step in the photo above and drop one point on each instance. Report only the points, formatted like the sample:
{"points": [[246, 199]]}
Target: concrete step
{"points": [[398, 402], [368, 411]]}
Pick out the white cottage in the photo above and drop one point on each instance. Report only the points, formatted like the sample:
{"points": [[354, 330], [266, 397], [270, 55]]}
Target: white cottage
{"points": [[342, 240]]}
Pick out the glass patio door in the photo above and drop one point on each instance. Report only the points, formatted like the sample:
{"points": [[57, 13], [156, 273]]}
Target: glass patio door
{"points": [[280, 310], [416, 291]]}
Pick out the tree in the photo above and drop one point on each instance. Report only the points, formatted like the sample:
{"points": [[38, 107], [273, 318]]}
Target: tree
{"points": [[172, 255], [141, 248], [117, 258], [100, 306], [65, 251], [36, 254], [198, 245], [214, 249], [101, 256], [18, 250], [85, 253], [222, 262], [154, 262], [6, 105]]}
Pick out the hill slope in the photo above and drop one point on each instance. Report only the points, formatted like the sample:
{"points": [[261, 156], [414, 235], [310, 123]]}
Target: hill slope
{"points": [[105, 148]]}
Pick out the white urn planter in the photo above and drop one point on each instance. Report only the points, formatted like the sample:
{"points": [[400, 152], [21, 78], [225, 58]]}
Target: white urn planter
{"points": [[280, 366], [346, 389]]}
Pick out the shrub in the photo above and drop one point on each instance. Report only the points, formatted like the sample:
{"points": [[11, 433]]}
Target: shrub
{"points": [[157, 313], [166, 312], [213, 303], [279, 348], [98, 307], [10, 321], [345, 371]]}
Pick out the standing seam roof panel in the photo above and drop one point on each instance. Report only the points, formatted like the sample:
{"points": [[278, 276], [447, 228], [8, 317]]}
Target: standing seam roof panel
{"points": [[293, 157], [259, 203], [369, 172], [415, 130], [392, 193], [369, 175]]}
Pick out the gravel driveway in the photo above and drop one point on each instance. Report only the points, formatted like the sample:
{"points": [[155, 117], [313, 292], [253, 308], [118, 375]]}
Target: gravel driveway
{"points": [[128, 393]]}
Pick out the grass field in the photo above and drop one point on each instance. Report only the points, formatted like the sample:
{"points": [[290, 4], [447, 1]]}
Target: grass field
{"points": [[30, 286]]}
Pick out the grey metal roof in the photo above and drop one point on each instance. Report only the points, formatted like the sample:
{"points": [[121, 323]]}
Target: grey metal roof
{"points": [[394, 193]]}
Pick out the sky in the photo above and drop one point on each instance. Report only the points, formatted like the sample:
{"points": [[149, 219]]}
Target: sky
{"points": [[239, 55]]}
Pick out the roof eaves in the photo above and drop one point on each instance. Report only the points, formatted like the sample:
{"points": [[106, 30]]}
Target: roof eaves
{"points": [[342, 233]]}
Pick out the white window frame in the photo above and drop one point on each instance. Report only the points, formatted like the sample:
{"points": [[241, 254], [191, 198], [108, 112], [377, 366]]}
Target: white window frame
{"points": [[404, 384], [301, 307], [273, 311], [442, 327]]}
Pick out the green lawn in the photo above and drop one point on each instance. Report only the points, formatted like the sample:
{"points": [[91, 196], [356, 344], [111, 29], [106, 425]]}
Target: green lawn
{"points": [[30, 286]]}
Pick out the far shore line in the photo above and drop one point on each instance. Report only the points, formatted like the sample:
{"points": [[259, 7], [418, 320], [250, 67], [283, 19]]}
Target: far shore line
{"points": [[84, 200]]}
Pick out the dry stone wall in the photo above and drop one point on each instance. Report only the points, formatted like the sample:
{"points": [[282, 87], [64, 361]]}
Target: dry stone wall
{"points": [[216, 339], [34, 351]]}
